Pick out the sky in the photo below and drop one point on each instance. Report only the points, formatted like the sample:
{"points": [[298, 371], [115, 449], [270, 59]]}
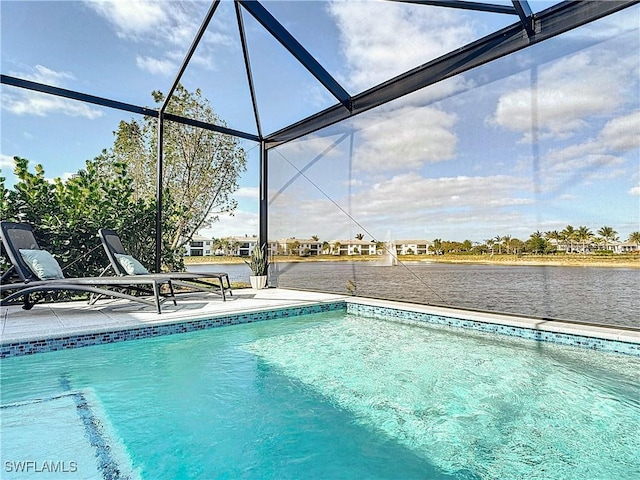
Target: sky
{"points": [[541, 139]]}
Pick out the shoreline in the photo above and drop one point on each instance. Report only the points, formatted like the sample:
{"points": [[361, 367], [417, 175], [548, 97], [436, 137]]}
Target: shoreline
{"points": [[614, 261]]}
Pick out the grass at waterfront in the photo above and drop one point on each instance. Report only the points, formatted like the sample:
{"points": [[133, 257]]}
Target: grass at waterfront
{"points": [[570, 260]]}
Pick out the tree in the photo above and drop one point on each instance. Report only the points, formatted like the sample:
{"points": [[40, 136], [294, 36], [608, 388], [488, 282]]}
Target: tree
{"points": [[498, 241], [608, 234], [507, 243], [634, 237], [315, 238], [584, 235], [568, 235], [437, 246], [200, 167], [518, 245], [66, 215], [490, 243], [553, 235], [295, 247], [360, 236], [536, 243]]}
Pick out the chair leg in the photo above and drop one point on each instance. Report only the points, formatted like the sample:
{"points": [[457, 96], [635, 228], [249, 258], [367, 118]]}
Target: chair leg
{"points": [[27, 304], [229, 285], [173, 295], [156, 293]]}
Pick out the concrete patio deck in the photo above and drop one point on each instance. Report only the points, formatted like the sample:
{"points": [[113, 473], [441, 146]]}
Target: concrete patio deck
{"points": [[71, 318]]}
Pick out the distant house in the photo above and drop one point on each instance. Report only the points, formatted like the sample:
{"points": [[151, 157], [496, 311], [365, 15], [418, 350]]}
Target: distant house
{"points": [[352, 247], [299, 246], [414, 247], [243, 246], [625, 247], [198, 246]]}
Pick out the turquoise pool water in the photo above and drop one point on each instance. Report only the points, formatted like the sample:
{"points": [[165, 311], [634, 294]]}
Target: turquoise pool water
{"points": [[331, 396]]}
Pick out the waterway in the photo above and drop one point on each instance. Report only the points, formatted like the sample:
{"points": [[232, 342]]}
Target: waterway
{"points": [[588, 294]]}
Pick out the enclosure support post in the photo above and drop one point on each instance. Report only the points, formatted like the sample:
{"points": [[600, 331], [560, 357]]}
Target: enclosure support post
{"points": [[158, 259], [264, 200]]}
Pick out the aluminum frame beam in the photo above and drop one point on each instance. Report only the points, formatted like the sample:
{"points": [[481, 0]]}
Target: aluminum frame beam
{"points": [[294, 47], [127, 107], [526, 15], [464, 5], [247, 66], [547, 24]]}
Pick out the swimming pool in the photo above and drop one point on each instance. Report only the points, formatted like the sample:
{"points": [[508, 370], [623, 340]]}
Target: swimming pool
{"points": [[335, 395]]}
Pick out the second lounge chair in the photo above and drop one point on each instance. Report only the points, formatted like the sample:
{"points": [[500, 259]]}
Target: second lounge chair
{"points": [[124, 264]]}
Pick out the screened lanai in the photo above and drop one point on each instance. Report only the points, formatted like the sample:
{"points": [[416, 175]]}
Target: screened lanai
{"points": [[398, 124]]}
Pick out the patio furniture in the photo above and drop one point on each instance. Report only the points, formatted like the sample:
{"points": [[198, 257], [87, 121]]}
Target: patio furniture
{"points": [[38, 271], [122, 264]]}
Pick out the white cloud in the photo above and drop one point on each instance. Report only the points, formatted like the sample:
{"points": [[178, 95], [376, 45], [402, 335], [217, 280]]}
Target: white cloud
{"points": [[410, 205], [381, 39], [240, 224], [156, 65], [598, 158], [622, 134], [406, 140], [247, 192], [132, 18], [26, 102], [566, 94], [6, 161], [40, 104], [42, 74], [635, 190], [423, 194], [164, 30]]}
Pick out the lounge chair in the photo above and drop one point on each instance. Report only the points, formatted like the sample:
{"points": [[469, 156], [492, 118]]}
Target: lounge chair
{"points": [[44, 275], [123, 264]]}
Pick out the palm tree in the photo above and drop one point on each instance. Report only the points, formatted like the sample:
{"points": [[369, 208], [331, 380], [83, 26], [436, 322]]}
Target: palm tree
{"points": [[360, 236], [608, 234], [507, 242], [583, 234], [634, 238], [536, 242], [326, 246], [498, 241], [315, 238], [490, 243], [568, 235], [553, 235]]}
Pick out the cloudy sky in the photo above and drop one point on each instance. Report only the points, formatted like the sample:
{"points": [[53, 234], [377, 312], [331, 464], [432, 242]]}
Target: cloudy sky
{"points": [[544, 138]]}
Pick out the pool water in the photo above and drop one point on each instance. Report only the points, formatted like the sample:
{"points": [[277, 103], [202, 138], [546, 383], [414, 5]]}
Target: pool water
{"points": [[332, 395]]}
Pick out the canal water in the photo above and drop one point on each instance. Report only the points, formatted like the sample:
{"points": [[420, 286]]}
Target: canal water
{"points": [[587, 294]]}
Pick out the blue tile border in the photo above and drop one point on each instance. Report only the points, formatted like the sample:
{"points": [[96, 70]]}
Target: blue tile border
{"points": [[29, 347], [17, 349], [581, 341]]}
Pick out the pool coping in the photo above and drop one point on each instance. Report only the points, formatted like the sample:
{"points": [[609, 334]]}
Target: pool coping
{"points": [[603, 338]]}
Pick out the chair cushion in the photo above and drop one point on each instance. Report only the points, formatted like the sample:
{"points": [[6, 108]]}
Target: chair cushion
{"points": [[42, 264], [131, 265]]}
